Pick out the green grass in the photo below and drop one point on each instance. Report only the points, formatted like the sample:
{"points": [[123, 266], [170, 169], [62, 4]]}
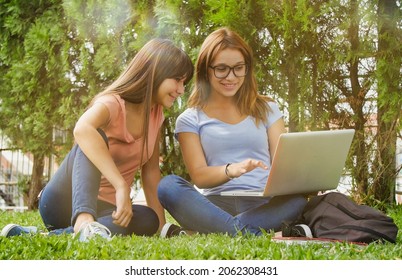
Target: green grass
{"points": [[197, 247]]}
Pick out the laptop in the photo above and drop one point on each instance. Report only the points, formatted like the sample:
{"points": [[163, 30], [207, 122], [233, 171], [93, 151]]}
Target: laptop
{"points": [[305, 162]]}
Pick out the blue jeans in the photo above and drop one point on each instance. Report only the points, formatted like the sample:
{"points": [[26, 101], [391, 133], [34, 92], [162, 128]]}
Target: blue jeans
{"points": [[74, 188], [226, 214]]}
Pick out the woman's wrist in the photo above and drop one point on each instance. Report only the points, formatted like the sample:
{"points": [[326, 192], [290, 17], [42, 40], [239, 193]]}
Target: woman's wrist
{"points": [[227, 171]]}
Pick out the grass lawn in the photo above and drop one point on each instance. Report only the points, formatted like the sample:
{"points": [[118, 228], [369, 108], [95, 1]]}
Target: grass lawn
{"points": [[198, 247]]}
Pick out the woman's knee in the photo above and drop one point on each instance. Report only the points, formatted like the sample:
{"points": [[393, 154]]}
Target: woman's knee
{"points": [[145, 220]]}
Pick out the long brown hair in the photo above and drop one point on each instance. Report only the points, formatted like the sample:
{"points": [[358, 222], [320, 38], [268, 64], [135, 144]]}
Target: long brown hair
{"points": [[157, 60], [248, 100]]}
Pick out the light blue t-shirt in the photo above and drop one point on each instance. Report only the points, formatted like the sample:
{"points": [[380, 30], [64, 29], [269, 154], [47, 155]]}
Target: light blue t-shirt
{"points": [[226, 143]]}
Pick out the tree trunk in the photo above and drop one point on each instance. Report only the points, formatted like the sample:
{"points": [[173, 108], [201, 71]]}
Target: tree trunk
{"points": [[356, 101], [389, 101], [36, 181]]}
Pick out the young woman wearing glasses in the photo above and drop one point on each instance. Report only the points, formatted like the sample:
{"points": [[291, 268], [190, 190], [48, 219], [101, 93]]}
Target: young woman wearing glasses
{"points": [[228, 137]]}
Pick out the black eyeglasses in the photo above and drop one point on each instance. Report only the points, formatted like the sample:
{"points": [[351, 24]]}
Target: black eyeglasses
{"points": [[222, 71]]}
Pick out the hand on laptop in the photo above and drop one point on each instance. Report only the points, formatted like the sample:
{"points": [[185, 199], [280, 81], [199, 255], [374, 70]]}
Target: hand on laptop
{"points": [[237, 169]]}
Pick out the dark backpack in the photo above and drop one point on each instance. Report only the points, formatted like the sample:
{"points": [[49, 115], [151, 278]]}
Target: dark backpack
{"points": [[335, 216]]}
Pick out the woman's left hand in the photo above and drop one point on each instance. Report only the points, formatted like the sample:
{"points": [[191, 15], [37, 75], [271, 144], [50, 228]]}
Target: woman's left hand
{"points": [[237, 169]]}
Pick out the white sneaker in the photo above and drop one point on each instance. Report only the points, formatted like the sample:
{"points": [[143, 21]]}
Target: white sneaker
{"points": [[91, 230]]}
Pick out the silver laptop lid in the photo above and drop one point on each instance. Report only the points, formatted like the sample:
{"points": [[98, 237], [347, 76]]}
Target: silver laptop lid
{"points": [[307, 162]]}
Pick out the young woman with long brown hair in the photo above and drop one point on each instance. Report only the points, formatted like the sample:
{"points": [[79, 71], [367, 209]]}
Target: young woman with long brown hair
{"points": [[117, 136]]}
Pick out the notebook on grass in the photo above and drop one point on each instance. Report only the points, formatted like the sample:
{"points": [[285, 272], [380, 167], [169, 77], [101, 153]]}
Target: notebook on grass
{"points": [[305, 162]]}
